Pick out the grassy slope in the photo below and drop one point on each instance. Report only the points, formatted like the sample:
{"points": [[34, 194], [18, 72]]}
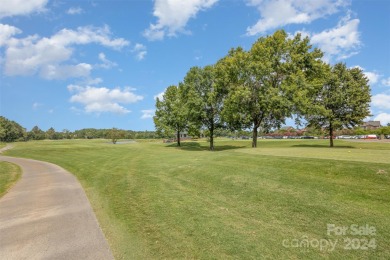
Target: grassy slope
{"points": [[157, 201], [9, 174]]}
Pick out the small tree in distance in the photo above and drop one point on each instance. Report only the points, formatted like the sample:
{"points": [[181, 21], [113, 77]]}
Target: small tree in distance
{"points": [[114, 135]]}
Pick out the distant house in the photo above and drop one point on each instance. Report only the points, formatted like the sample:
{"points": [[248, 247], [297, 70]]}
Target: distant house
{"points": [[371, 125], [184, 135], [287, 128]]}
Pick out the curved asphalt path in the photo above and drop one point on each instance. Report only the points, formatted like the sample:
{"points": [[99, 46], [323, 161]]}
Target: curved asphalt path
{"points": [[47, 215]]}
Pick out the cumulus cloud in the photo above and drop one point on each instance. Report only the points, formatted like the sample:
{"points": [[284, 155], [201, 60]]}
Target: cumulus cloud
{"points": [[148, 113], [140, 51], [100, 99], [340, 42], [21, 7], [277, 13], [46, 56], [381, 101], [384, 118], [372, 76], [6, 33], [173, 16], [75, 10]]}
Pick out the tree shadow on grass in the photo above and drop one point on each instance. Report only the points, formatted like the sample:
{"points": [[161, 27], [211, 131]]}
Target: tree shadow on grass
{"points": [[195, 146], [323, 146]]}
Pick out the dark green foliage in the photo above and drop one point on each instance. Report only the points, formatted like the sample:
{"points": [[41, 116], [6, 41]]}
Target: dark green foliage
{"points": [[278, 78], [341, 102], [11, 131], [172, 114], [36, 134], [268, 81], [206, 99]]}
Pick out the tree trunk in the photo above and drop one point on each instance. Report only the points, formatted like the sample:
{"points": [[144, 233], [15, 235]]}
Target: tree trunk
{"points": [[331, 135], [254, 137], [211, 138], [178, 138]]}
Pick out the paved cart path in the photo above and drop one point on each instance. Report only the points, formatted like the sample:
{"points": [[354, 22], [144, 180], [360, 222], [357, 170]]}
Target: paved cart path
{"points": [[47, 215]]}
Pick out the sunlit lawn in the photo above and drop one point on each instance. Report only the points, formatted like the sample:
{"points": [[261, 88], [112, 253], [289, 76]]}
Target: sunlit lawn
{"points": [[9, 174], [154, 200]]}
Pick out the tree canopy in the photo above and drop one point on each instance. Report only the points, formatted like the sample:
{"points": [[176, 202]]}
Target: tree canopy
{"points": [[171, 112], [279, 77], [269, 81], [206, 99], [11, 131], [341, 102]]}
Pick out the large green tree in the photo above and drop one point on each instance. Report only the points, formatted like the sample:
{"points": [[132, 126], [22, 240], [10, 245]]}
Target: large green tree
{"points": [[10, 131], [205, 98], [269, 82], [172, 114], [343, 101]]}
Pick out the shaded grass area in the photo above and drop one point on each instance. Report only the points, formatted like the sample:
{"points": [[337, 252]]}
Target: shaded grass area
{"points": [[157, 201], [9, 175]]}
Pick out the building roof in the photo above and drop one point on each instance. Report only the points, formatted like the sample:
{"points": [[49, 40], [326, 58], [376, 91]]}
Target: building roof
{"points": [[372, 123]]}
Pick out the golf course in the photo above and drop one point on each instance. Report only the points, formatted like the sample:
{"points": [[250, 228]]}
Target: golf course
{"points": [[158, 201]]}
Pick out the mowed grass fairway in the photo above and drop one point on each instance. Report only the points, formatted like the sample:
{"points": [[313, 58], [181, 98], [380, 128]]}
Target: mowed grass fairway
{"points": [[156, 201], [9, 175]]}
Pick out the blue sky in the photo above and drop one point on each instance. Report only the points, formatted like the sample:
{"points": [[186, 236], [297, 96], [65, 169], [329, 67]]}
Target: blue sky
{"points": [[78, 64]]}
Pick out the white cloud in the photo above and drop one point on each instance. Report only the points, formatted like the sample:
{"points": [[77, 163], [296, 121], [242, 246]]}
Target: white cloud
{"points": [[46, 56], [140, 51], [88, 34], [75, 10], [148, 113], [278, 13], [100, 100], [107, 64], [384, 118], [173, 16], [6, 32], [160, 96], [381, 101], [21, 7], [372, 76], [340, 42], [386, 82], [91, 81], [50, 71]]}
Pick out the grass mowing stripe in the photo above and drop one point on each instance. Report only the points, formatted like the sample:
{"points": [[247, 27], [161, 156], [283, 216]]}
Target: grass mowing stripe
{"points": [[158, 201]]}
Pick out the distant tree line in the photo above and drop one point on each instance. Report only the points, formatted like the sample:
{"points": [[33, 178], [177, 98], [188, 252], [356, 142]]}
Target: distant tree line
{"points": [[279, 77], [310, 131], [11, 131]]}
